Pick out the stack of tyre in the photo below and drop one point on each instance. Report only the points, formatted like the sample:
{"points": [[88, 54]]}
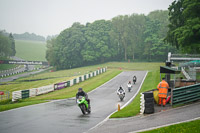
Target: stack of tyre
{"points": [[149, 102]]}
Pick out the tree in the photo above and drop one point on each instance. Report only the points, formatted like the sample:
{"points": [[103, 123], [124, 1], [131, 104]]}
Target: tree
{"points": [[135, 29], [119, 30], [97, 47], [13, 51], [5, 46], [184, 27]]}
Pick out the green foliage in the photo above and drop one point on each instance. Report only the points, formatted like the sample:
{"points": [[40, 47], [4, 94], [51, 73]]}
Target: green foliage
{"points": [[13, 51], [136, 37], [184, 27], [5, 45]]}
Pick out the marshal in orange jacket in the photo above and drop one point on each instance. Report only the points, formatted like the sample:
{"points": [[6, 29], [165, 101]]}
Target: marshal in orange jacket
{"points": [[163, 88]]}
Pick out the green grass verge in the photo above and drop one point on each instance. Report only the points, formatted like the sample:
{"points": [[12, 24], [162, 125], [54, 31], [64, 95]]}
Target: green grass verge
{"points": [[31, 50], [186, 127], [87, 85]]}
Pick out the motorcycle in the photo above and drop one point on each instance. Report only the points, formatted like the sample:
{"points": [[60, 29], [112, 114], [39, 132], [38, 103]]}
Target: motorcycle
{"points": [[134, 79], [121, 94], [129, 87], [83, 104]]}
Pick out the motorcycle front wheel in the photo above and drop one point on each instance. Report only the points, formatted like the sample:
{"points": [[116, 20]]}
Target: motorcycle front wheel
{"points": [[83, 108]]}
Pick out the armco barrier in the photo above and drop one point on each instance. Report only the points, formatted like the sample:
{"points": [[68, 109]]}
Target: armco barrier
{"points": [[71, 82], [16, 95], [44, 89], [49, 88], [186, 94], [59, 86], [80, 79], [25, 94], [32, 92]]}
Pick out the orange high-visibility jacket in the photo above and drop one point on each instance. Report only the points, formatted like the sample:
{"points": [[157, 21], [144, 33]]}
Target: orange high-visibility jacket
{"points": [[163, 88]]}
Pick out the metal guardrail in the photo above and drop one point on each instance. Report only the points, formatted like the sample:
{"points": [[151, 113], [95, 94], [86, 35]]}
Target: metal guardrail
{"points": [[186, 94]]}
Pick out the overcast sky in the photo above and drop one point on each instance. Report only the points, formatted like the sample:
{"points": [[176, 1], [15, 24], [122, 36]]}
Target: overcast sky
{"points": [[50, 17]]}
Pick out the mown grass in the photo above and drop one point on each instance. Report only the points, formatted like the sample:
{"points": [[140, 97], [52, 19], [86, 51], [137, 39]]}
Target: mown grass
{"points": [[87, 85], [30, 50], [186, 127]]}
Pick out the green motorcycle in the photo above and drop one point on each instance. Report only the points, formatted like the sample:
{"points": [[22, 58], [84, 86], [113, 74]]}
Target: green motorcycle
{"points": [[83, 104]]}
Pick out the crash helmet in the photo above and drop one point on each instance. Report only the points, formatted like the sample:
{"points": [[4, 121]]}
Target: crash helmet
{"points": [[80, 89]]}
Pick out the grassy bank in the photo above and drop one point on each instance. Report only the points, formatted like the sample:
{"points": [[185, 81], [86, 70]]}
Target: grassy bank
{"points": [[187, 127], [30, 50], [87, 85]]}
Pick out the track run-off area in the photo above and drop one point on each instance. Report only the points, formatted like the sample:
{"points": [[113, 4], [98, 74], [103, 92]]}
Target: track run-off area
{"points": [[64, 116]]}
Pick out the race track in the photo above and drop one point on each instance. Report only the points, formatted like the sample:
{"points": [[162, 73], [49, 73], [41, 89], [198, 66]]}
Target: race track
{"points": [[64, 116], [149, 122]]}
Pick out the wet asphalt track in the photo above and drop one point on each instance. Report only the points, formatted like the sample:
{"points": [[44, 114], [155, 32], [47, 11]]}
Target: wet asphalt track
{"points": [[142, 123], [64, 116]]}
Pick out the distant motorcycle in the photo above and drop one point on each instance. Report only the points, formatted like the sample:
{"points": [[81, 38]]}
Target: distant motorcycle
{"points": [[129, 87], [121, 94], [134, 79], [83, 104]]}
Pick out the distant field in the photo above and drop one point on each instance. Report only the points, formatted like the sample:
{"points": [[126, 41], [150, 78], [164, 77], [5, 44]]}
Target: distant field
{"points": [[30, 50]]}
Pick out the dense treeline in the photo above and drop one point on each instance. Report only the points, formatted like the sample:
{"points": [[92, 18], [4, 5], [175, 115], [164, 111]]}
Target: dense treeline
{"points": [[184, 27], [135, 37], [29, 36], [7, 45]]}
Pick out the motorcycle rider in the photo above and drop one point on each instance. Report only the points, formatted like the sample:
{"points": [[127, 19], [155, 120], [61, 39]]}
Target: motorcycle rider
{"points": [[134, 79], [129, 84], [120, 90], [82, 93]]}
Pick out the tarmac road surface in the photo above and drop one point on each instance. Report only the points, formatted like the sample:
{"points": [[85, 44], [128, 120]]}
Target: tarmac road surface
{"points": [[142, 123], [64, 116]]}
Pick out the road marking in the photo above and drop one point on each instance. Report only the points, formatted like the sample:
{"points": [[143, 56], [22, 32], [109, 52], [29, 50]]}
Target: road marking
{"points": [[99, 124], [165, 125]]}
